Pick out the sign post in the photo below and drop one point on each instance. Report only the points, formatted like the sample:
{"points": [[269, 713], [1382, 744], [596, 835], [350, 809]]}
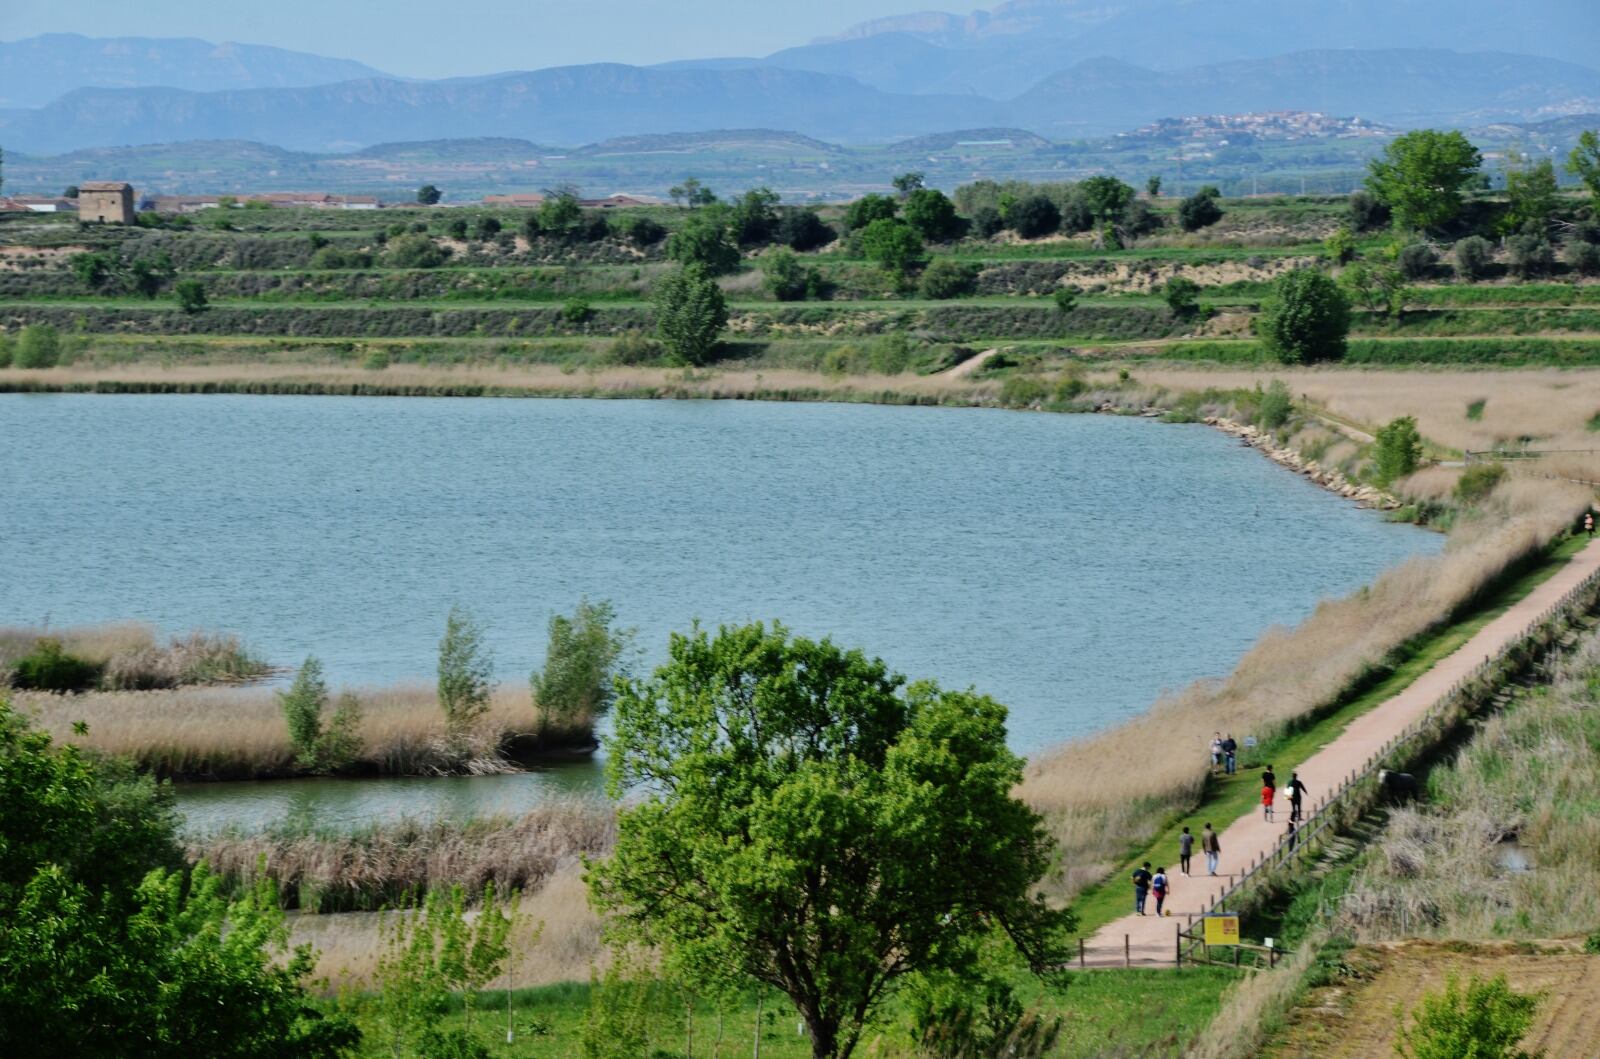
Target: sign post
{"points": [[1222, 930]]}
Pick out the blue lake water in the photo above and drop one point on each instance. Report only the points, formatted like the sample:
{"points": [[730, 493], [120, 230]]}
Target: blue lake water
{"points": [[1071, 566]]}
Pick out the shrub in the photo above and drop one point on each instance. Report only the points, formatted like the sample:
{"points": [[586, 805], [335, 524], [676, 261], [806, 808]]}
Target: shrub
{"points": [[415, 251], [706, 242], [1485, 1020], [1340, 247], [785, 278], [1583, 258], [7, 351], [1473, 255], [1478, 481], [986, 222], [38, 346], [1181, 295], [376, 360], [868, 208], [1306, 318], [1416, 260], [576, 686], [642, 231], [1367, 212], [191, 295], [799, 228], [1397, 450], [1531, 255], [947, 278], [1200, 210], [49, 668], [1066, 299], [933, 215], [634, 347], [320, 748], [465, 668], [1475, 409], [1272, 411], [893, 246], [577, 311], [1033, 217]]}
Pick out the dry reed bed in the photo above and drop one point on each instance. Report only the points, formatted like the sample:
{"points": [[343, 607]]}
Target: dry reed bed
{"points": [[1113, 790], [234, 733], [131, 655], [385, 865], [1531, 774]]}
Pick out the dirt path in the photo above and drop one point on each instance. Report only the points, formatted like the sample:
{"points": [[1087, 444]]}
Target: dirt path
{"points": [[967, 367], [1152, 942]]}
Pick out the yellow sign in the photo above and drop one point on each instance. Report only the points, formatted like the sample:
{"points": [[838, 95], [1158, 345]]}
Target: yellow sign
{"points": [[1222, 930]]}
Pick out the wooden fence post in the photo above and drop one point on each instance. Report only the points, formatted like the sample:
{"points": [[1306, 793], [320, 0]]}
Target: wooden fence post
{"points": [[1127, 951]]}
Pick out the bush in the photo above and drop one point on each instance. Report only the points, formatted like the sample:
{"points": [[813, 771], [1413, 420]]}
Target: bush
{"points": [[1397, 450], [1306, 318], [577, 685], [1478, 481], [634, 347], [7, 351], [986, 222], [1416, 261], [1200, 210], [191, 295], [1583, 258], [38, 346], [1531, 255], [1473, 255], [320, 748], [1367, 212], [376, 360], [799, 228], [415, 251], [1485, 1020], [933, 215], [1272, 411], [577, 311], [1033, 217], [705, 242], [947, 278], [868, 208], [642, 231], [1066, 299], [893, 246], [1182, 295], [48, 668], [786, 279]]}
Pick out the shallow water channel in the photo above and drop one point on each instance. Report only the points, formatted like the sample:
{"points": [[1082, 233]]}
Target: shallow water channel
{"points": [[1071, 566]]}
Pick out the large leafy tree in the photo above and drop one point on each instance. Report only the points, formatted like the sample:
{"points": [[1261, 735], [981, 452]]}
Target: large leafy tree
{"points": [[1306, 318], [690, 313], [1108, 198], [894, 246], [107, 950], [933, 215], [1584, 162], [1422, 177], [805, 820], [706, 241], [1532, 190]]}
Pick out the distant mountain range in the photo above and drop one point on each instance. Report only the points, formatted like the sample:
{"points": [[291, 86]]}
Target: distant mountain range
{"points": [[1061, 68], [582, 104], [37, 70]]}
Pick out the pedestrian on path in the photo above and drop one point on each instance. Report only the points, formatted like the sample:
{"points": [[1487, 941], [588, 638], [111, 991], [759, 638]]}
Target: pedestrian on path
{"points": [[1185, 850], [1267, 795], [1210, 847], [1216, 751], [1230, 754], [1588, 523], [1269, 778], [1141, 887], [1293, 837], [1159, 886], [1297, 791]]}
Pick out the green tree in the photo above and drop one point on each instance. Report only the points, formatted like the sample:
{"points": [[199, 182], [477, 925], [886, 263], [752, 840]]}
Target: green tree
{"points": [[1340, 247], [808, 822], [691, 312], [429, 195], [1034, 216], [1422, 177], [1152, 187], [1584, 162], [1532, 192], [693, 194], [1182, 296], [147, 275], [1396, 451], [38, 346], [466, 671], [1272, 410], [932, 215], [786, 279], [755, 217], [94, 269], [947, 278], [869, 208], [1483, 1020], [1108, 198], [1381, 288], [706, 241], [1305, 319], [107, 950], [907, 183], [1474, 255], [1066, 299], [894, 246], [1200, 210], [415, 251], [799, 228], [191, 295], [320, 747], [582, 660], [561, 211]]}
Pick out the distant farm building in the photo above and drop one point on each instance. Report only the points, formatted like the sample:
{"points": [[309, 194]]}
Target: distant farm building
{"points": [[37, 204], [525, 201], [106, 201], [299, 200]]}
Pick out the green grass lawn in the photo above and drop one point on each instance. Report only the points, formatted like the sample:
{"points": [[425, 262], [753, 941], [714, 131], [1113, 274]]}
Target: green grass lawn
{"points": [[1229, 797]]}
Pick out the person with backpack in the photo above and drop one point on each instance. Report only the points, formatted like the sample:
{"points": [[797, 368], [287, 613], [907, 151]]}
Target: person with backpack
{"points": [[1185, 850], [1160, 886], [1267, 796], [1141, 887], [1211, 848]]}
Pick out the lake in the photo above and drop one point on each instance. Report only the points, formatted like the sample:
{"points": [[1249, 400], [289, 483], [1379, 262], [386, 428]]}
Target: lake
{"points": [[1072, 566]]}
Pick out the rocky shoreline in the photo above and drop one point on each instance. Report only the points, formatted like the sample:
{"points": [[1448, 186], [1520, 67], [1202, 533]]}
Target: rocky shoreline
{"points": [[1331, 480]]}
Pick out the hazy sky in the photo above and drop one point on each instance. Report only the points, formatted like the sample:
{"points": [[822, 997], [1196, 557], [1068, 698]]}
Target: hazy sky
{"points": [[446, 38]]}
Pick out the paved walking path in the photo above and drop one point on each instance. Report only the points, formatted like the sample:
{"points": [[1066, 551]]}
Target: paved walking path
{"points": [[1152, 942]]}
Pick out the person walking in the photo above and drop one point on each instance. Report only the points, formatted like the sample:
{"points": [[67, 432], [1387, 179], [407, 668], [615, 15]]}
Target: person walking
{"points": [[1159, 886], [1297, 791], [1293, 837], [1216, 751], [1269, 778], [1141, 887], [1588, 523], [1210, 847], [1185, 850], [1267, 796], [1230, 754]]}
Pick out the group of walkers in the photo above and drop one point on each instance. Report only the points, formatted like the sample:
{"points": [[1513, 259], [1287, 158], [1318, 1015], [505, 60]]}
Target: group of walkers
{"points": [[1148, 882]]}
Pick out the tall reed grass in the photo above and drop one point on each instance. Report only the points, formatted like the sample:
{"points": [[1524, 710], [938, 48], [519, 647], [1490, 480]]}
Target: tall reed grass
{"points": [[131, 656]]}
